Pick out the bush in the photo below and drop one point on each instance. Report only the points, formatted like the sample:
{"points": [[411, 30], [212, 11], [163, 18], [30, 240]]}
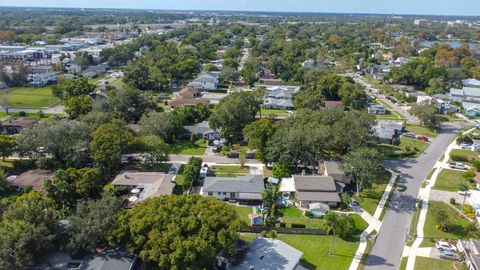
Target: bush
{"points": [[459, 158], [476, 164], [452, 200], [299, 226], [22, 113], [283, 225], [41, 114], [469, 211]]}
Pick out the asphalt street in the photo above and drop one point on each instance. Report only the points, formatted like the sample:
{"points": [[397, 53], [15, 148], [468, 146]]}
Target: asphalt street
{"points": [[388, 247]]}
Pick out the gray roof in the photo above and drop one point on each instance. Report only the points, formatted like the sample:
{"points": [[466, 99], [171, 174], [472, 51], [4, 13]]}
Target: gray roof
{"points": [[466, 91], [201, 128], [278, 102], [314, 183], [387, 130], [267, 254], [318, 196], [456, 92], [246, 183], [109, 260], [471, 82], [333, 167], [279, 94]]}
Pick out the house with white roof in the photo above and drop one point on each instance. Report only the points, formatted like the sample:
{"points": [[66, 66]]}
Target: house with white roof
{"points": [[471, 83], [205, 81]]}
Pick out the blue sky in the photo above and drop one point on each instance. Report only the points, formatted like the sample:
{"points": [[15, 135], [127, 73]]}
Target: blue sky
{"points": [[438, 7]]}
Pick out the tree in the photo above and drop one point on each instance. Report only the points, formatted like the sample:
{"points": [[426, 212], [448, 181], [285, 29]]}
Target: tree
{"points": [[228, 74], [83, 59], [159, 229], [233, 113], [155, 148], [127, 103], [426, 111], [464, 187], [78, 106], [191, 171], [65, 141], [108, 143], [6, 146], [161, 124], [88, 227], [250, 71], [268, 195], [73, 88], [364, 165], [4, 102], [281, 171], [258, 133], [331, 224]]}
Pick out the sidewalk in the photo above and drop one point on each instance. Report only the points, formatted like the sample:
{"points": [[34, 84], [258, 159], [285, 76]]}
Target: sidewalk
{"points": [[374, 222]]}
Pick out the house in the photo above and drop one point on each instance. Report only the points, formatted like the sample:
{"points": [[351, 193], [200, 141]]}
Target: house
{"points": [[471, 252], [471, 109], [310, 63], [206, 81], [32, 178], [388, 132], [188, 96], [332, 168], [16, 126], [41, 75], [242, 188], [95, 71], [117, 259], [278, 104], [378, 109], [261, 254], [202, 130], [466, 94], [474, 83], [334, 105], [312, 189], [144, 185]]}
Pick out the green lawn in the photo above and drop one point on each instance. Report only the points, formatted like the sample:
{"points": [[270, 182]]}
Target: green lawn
{"points": [[229, 171], [249, 237], [406, 147], [420, 130], [315, 251], [449, 180], [430, 174], [271, 111], [243, 212], [403, 263], [464, 154], [183, 147], [422, 263], [457, 230], [370, 204], [292, 215], [31, 97]]}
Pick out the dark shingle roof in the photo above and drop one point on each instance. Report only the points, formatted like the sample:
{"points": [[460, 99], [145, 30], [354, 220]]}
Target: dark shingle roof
{"points": [[109, 260], [246, 183], [314, 183]]}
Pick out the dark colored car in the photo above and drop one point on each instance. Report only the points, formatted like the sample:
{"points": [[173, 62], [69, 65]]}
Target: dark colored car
{"points": [[250, 155], [233, 155], [422, 138]]}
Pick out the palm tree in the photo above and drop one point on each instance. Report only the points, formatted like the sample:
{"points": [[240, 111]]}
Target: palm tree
{"points": [[331, 223], [464, 187]]}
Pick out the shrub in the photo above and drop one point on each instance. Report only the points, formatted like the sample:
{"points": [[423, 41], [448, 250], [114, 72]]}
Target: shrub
{"points": [[476, 164], [452, 200], [300, 226], [41, 114], [283, 225], [459, 158], [22, 113], [469, 211]]}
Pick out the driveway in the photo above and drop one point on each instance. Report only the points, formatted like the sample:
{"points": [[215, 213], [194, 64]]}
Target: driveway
{"points": [[444, 196], [387, 250]]}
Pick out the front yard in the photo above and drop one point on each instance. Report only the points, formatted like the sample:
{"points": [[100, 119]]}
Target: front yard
{"points": [[463, 155], [449, 180], [456, 228], [370, 198], [421, 130], [31, 97], [184, 147], [406, 147], [422, 263], [229, 171], [315, 251]]}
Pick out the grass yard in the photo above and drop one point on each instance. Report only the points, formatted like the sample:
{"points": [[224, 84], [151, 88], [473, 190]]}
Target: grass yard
{"points": [[370, 204], [32, 97], [403, 263], [292, 215], [249, 237], [229, 171], [160, 167], [458, 223], [449, 180], [315, 251], [422, 263], [420, 130], [243, 212], [183, 147], [406, 147], [430, 174], [464, 154]]}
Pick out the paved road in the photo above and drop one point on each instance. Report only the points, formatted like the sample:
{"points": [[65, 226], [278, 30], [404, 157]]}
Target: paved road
{"points": [[206, 158], [387, 250], [59, 109]]}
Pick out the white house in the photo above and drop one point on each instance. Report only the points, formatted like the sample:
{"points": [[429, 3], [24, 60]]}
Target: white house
{"points": [[206, 81], [41, 75], [376, 109]]}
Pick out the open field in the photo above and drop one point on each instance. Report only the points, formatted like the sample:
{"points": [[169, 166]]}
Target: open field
{"points": [[32, 97]]}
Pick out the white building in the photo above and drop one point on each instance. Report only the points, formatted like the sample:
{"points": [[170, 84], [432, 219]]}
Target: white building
{"points": [[41, 75], [205, 81]]}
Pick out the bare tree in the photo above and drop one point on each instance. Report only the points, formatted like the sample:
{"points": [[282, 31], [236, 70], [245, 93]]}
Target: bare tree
{"points": [[4, 102]]}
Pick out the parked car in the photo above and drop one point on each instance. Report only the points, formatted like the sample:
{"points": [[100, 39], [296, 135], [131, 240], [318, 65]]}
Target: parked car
{"points": [[422, 138], [233, 155], [458, 166], [465, 146], [448, 256], [250, 155], [216, 149], [354, 203], [401, 187], [408, 134], [445, 247], [464, 193]]}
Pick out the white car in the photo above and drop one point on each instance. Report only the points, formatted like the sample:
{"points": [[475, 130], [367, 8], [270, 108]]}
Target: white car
{"points": [[446, 255], [445, 247], [467, 193], [459, 166], [465, 146]]}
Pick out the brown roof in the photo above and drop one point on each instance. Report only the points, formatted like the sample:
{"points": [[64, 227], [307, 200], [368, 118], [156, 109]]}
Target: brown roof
{"points": [[32, 178], [188, 101], [318, 196], [188, 92], [20, 122], [134, 127], [314, 183], [155, 183], [329, 104]]}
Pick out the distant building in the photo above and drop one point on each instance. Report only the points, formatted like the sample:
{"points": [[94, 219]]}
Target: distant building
{"points": [[202, 130], [474, 83], [420, 22], [205, 81], [32, 178], [41, 75], [188, 96], [378, 109], [16, 126]]}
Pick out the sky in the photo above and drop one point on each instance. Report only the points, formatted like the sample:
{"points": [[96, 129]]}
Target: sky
{"points": [[430, 7]]}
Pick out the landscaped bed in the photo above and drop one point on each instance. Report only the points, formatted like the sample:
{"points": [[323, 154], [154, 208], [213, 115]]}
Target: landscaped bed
{"points": [[456, 228], [229, 171]]}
